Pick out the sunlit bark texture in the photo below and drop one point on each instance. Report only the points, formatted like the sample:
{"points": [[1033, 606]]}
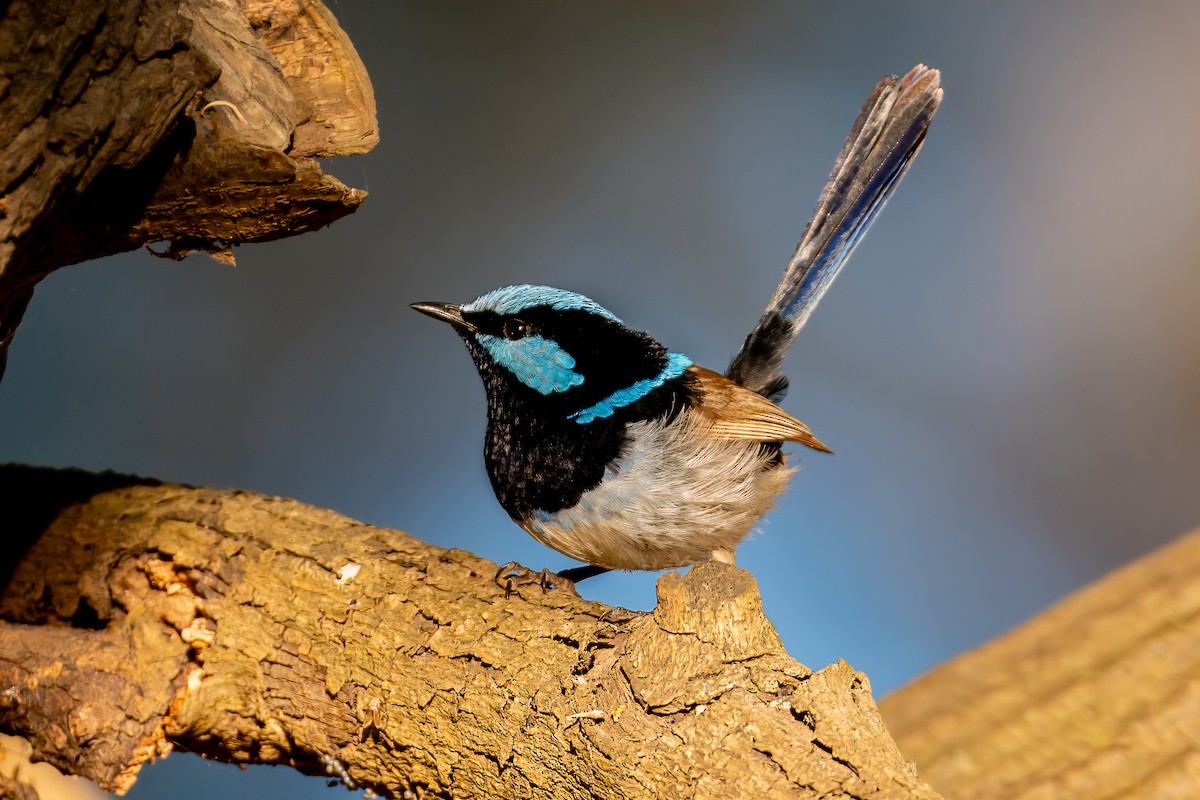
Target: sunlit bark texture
{"points": [[262, 630]]}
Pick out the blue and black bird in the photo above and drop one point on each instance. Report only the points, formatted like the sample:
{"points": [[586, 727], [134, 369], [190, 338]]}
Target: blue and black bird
{"points": [[614, 450]]}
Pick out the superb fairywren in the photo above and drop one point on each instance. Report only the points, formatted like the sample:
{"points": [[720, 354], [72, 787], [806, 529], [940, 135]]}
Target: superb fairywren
{"points": [[610, 448]]}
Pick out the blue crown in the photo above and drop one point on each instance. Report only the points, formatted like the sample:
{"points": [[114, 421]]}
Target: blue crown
{"points": [[515, 299]]}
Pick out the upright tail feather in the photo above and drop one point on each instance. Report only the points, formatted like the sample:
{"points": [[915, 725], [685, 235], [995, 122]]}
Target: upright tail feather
{"points": [[883, 142]]}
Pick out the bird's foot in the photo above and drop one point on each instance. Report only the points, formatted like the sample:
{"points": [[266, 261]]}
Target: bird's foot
{"points": [[513, 576]]}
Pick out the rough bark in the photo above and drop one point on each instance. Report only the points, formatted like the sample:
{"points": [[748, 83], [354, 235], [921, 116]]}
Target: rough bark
{"points": [[129, 122], [257, 629], [1098, 697]]}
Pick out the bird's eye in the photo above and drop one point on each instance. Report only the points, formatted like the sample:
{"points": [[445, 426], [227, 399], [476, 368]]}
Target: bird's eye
{"points": [[515, 329]]}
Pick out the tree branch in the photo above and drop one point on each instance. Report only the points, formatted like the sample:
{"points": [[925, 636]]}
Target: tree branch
{"points": [[262, 630], [195, 122], [1097, 697]]}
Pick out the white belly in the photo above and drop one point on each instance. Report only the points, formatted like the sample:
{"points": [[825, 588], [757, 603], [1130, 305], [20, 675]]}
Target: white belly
{"points": [[672, 498]]}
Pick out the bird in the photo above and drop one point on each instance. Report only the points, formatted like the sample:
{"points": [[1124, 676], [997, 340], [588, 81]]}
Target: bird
{"points": [[620, 453]]}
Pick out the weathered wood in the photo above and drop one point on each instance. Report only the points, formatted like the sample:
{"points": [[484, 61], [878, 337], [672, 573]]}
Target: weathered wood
{"points": [[257, 629], [1098, 697], [127, 123], [336, 106]]}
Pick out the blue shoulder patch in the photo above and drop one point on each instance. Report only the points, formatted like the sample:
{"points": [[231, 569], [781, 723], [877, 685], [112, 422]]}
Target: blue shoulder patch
{"points": [[515, 299], [537, 362], [676, 364]]}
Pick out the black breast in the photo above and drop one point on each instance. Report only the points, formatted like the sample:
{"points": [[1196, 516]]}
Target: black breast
{"points": [[540, 461]]}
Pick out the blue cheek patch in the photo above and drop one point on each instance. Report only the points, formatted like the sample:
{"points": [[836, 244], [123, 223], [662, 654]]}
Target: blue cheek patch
{"points": [[536, 362], [676, 364]]}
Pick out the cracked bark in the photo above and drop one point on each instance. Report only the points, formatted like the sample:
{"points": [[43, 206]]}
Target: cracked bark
{"points": [[110, 138], [256, 629]]}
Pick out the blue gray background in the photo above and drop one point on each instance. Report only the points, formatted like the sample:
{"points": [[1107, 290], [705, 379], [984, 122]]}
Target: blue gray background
{"points": [[1007, 368]]}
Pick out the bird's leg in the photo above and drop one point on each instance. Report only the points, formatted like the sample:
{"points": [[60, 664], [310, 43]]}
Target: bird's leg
{"points": [[513, 575]]}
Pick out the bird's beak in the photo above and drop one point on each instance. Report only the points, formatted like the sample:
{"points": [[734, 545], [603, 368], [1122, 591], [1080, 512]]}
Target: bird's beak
{"points": [[446, 312]]}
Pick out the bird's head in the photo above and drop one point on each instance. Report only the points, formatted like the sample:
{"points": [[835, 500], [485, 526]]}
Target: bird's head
{"points": [[561, 352]]}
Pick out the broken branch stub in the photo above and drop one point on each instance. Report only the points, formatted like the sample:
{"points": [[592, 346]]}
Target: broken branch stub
{"points": [[195, 123]]}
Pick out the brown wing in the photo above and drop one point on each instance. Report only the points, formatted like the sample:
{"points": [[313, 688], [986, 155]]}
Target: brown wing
{"points": [[738, 413]]}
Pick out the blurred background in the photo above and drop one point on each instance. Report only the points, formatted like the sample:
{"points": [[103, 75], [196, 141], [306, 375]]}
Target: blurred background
{"points": [[1007, 369]]}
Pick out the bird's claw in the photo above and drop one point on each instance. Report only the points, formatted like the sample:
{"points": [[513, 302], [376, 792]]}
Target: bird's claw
{"points": [[513, 575]]}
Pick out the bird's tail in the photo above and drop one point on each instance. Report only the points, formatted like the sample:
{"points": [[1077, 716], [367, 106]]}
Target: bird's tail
{"points": [[883, 142]]}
